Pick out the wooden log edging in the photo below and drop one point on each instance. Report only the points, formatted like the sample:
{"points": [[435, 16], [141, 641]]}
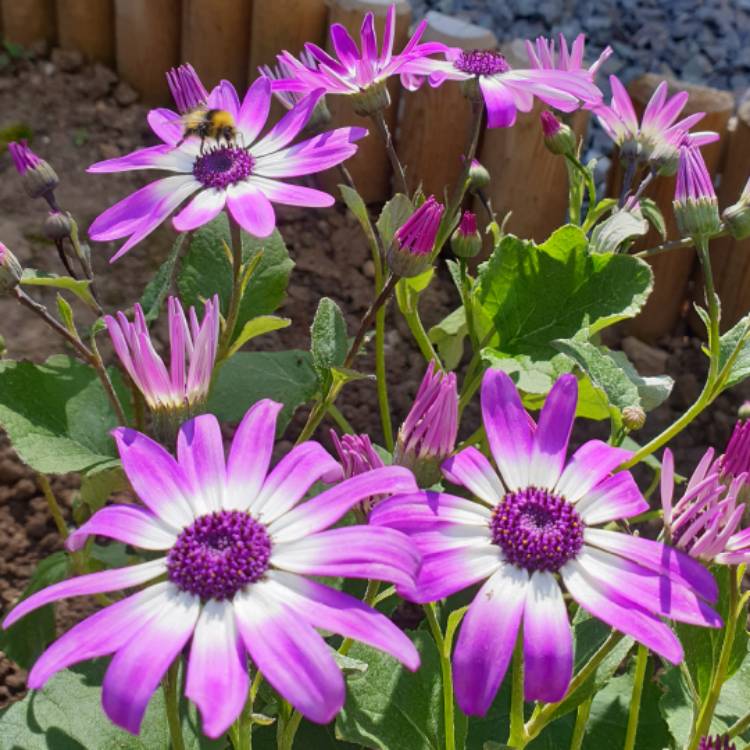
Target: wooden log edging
{"points": [[89, 27], [27, 22]]}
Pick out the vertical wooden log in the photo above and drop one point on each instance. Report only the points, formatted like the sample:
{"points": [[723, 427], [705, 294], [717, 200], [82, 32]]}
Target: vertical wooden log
{"points": [[672, 270], [89, 27], [526, 178], [147, 45], [370, 167], [216, 39], [730, 258], [28, 21], [434, 123]]}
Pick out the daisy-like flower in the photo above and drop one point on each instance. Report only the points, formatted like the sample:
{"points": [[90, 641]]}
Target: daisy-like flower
{"points": [[505, 91], [409, 253], [245, 175], [531, 531], [696, 208], [659, 135], [361, 72], [428, 434], [705, 522], [193, 346], [542, 55], [237, 549]]}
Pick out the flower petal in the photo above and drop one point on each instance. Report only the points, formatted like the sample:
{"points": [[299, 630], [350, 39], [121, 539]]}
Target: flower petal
{"points": [[590, 464], [125, 523], [92, 583], [346, 49], [292, 657], [166, 124], [217, 680], [137, 668], [291, 478], [507, 426], [289, 126], [154, 157], [501, 105], [224, 96], [329, 609], [200, 452], [487, 638], [202, 209], [255, 108], [616, 497], [469, 468], [156, 477], [547, 641], [251, 209], [292, 195], [250, 454]]}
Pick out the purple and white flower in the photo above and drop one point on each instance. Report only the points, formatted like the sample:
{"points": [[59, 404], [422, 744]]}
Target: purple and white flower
{"points": [[193, 347], [233, 581], [542, 55], [505, 91], [246, 176], [530, 532], [706, 521]]}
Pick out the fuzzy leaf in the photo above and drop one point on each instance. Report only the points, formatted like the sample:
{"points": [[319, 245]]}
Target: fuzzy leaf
{"points": [[79, 287], [736, 335], [257, 327], [394, 215], [614, 232], [449, 336], [328, 338], [653, 213], [98, 485]]}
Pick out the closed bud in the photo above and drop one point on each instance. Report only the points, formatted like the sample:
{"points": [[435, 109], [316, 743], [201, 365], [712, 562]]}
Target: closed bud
{"points": [[466, 242], [39, 179], [410, 252], [371, 100], [10, 270], [479, 177], [744, 411], [633, 417], [737, 217], [558, 137], [57, 226], [695, 206]]}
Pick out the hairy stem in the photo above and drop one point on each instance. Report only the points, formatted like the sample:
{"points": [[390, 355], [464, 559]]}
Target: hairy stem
{"points": [[635, 700], [518, 737], [446, 671], [236, 296], [385, 133], [582, 718], [172, 705], [53, 505]]}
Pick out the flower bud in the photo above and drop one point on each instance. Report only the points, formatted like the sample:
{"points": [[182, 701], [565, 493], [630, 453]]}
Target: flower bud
{"points": [[371, 100], [744, 411], [720, 742], [479, 177], [357, 455], [633, 417], [736, 459], [737, 216], [466, 242], [57, 226], [558, 137], [10, 270], [409, 253], [695, 206], [428, 435], [39, 179]]}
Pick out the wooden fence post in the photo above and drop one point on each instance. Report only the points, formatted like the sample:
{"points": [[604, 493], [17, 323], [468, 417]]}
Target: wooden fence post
{"points": [[216, 39], [28, 21], [89, 27], [527, 179], [147, 44], [672, 270], [369, 167], [434, 123], [730, 258]]}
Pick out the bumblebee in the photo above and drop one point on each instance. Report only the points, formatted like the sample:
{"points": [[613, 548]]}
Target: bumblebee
{"points": [[208, 123]]}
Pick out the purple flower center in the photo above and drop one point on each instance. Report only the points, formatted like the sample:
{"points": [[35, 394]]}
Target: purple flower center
{"points": [[223, 166], [219, 554], [481, 62], [536, 529]]}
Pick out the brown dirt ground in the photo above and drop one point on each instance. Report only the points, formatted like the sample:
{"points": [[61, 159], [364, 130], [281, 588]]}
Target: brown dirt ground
{"points": [[80, 114]]}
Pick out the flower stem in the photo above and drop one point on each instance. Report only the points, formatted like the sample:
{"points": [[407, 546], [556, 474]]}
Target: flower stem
{"points": [[381, 379], [446, 670], [468, 306], [740, 726], [236, 297], [54, 507], [635, 700], [385, 133], [420, 336], [371, 593], [703, 722], [714, 311], [518, 737], [172, 705], [582, 718]]}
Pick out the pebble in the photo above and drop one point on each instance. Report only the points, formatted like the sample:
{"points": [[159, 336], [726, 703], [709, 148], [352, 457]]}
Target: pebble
{"points": [[125, 94]]}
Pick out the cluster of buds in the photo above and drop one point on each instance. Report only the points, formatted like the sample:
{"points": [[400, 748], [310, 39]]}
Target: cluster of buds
{"points": [[10, 270], [466, 242], [39, 179], [737, 216], [357, 455], [410, 252], [717, 743], [559, 138], [428, 435], [695, 205]]}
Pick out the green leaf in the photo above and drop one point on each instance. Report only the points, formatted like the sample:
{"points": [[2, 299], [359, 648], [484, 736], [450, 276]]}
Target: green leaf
{"points": [[394, 215], [57, 414], [393, 708], [79, 287], [257, 327], [611, 235], [98, 485], [653, 213], [157, 289], [25, 641], [328, 338], [206, 270], [66, 314], [602, 207], [537, 294], [653, 390], [449, 336], [737, 335], [66, 715], [356, 204], [287, 377]]}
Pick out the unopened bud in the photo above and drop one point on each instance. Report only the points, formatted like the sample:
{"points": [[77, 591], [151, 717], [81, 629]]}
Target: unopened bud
{"points": [[737, 219], [410, 252], [466, 242], [10, 270], [744, 411], [633, 417], [479, 177], [39, 179], [558, 137], [696, 209], [372, 99], [57, 226]]}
